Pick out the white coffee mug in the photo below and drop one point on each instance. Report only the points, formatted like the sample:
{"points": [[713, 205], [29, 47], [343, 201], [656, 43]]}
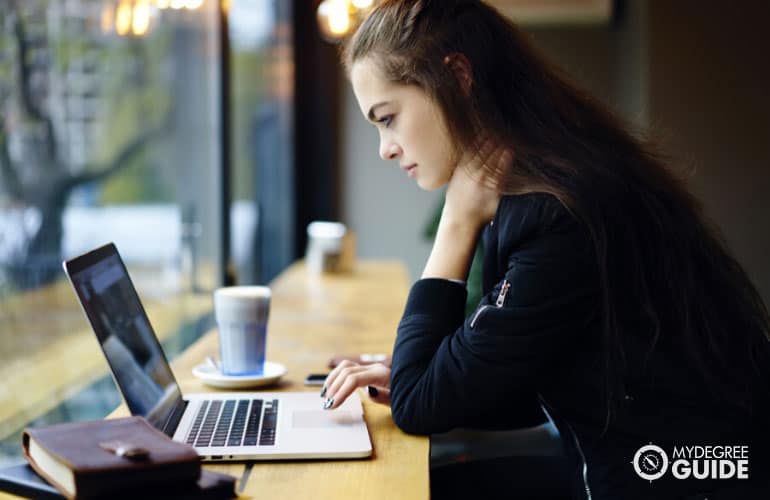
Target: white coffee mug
{"points": [[330, 248], [241, 313]]}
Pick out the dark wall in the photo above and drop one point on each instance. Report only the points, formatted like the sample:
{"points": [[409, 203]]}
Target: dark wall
{"points": [[709, 95]]}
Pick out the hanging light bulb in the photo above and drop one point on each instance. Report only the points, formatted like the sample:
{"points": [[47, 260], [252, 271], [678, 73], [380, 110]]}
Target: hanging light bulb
{"points": [[140, 22], [123, 17], [108, 18], [339, 22], [333, 18], [339, 18]]}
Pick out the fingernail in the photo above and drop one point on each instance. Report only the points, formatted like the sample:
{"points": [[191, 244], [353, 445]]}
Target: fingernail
{"points": [[373, 392], [328, 404], [323, 391]]}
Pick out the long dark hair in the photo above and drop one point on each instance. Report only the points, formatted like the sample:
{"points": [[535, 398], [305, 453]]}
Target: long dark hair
{"points": [[664, 272]]}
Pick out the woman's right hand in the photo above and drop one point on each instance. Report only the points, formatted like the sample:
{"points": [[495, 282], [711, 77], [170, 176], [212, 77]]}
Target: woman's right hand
{"points": [[348, 376], [473, 192]]}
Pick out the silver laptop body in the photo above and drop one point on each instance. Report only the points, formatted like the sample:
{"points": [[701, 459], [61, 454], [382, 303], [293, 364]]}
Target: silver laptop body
{"points": [[222, 426]]}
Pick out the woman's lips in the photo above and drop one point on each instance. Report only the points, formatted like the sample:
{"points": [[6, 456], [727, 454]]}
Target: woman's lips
{"points": [[411, 170]]}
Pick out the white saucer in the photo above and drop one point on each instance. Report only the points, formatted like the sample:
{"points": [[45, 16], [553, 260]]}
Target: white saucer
{"points": [[215, 378]]}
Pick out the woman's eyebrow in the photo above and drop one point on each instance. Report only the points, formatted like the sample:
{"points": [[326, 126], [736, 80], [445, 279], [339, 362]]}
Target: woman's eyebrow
{"points": [[370, 114]]}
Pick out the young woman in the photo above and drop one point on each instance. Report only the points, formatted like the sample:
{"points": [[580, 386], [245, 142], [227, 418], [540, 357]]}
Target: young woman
{"points": [[608, 296]]}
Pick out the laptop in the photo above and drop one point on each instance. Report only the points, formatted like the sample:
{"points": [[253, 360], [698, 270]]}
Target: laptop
{"points": [[222, 426]]}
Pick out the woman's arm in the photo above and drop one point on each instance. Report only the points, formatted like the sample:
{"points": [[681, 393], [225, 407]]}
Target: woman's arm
{"points": [[471, 202], [521, 334]]}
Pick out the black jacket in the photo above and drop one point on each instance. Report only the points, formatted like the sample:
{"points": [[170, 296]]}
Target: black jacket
{"points": [[536, 334]]}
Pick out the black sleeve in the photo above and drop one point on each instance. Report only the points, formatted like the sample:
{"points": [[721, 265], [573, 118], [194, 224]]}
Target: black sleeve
{"points": [[447, 373]]}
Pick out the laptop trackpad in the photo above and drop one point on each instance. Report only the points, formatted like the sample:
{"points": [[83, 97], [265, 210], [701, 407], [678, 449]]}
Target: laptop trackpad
{"points": [[322, 418]]}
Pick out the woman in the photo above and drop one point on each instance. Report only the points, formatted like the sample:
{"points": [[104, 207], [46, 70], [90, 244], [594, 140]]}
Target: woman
{"points": [[606, 294]]}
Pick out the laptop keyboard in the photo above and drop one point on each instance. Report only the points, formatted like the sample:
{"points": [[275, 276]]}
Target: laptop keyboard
{"points": [[234, 423]]}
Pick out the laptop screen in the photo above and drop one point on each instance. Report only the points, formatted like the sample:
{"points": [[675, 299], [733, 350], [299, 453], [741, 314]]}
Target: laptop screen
{"points": [[115, 312]]}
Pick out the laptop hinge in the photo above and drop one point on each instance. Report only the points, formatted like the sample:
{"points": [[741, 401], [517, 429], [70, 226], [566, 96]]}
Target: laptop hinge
{"points": [[173, 418]]}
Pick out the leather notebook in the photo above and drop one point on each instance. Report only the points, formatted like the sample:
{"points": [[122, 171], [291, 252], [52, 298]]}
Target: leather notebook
{"points": [[98, 457]]}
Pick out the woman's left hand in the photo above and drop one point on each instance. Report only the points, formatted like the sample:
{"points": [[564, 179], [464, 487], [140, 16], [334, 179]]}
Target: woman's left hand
{"points": [[348, 376]]}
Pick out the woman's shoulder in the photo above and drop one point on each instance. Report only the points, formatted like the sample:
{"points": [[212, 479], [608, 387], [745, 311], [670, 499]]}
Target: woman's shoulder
{"points": [[535, 229], [523, 216]]}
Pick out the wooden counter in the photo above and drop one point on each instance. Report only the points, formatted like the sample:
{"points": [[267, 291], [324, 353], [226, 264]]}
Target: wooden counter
{"points": [[313, 318]]}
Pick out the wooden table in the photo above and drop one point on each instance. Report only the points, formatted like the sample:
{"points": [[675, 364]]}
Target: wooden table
{"points": [[313, 318]]}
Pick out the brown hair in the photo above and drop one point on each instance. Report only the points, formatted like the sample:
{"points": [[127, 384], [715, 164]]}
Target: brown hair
{"points": [[663, 270]]}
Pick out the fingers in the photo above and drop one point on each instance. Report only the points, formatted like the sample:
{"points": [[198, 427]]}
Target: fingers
{"points": [[497, 159], [486, 150], [489, 151], [348, 376], [334, 374]]}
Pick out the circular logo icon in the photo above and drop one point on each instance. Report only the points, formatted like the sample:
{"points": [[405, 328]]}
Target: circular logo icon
{"points": [[650, 462]]}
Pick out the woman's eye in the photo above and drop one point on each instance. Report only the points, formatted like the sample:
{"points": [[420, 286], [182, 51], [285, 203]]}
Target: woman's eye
{"points": [[386, 120]]}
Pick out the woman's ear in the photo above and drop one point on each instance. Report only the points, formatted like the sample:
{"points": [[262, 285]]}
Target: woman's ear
{"points": [[461, 67]]}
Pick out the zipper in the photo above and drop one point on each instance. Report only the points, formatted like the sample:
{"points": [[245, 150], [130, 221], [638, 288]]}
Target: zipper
{"points": [[498, 303], [502, 294], [544, 406]]}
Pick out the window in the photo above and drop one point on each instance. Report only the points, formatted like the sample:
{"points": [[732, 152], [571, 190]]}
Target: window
{"points": [[262, 90], [109, 131]]}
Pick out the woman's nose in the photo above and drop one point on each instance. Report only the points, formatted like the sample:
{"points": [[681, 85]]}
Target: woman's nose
{"points": [[389, 150]]}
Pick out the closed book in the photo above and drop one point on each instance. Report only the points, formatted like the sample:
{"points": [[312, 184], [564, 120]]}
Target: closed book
{"points": [[23, 481], [94, 458]]}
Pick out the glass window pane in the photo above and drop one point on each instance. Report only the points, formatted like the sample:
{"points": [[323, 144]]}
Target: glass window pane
{"points": [[109, 120], [262, 91]]}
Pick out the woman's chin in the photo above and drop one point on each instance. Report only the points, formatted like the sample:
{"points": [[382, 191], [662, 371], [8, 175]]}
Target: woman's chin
{"points": [[430, 184]]}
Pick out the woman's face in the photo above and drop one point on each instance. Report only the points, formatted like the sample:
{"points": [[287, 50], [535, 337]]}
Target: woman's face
{"points": [[410, 124]]}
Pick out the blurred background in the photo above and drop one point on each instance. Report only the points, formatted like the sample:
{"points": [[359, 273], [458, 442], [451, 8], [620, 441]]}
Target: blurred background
{"points": [[202, 136]]}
